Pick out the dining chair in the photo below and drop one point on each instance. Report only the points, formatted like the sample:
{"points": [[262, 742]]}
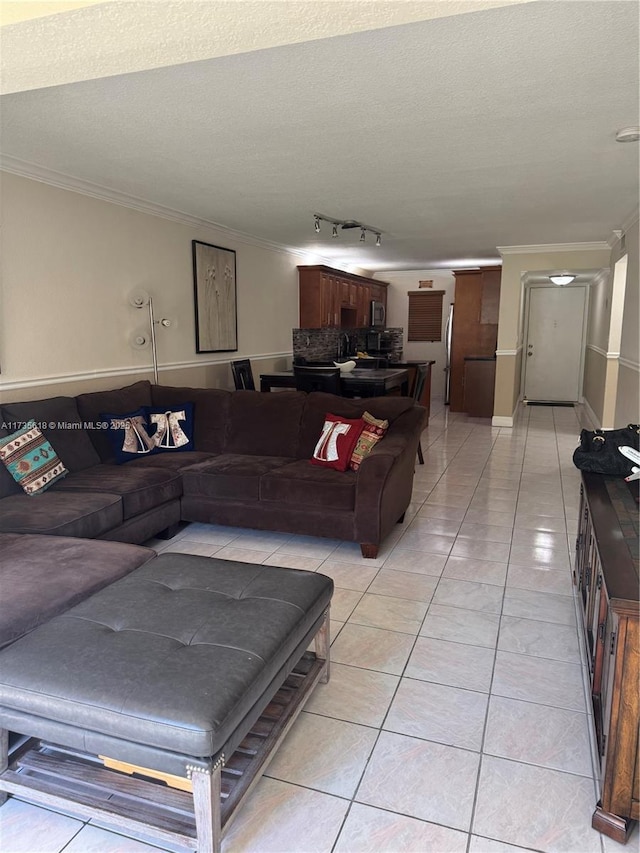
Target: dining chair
{"points": [[317, 379], [418, 387], [243, 375]]}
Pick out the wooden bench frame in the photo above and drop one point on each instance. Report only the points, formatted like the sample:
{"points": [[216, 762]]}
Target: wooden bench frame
{"points": [[56, 777]]}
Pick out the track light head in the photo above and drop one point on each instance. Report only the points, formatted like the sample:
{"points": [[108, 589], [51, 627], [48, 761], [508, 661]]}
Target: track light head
{"points": [[316, 224], [378, 240]]}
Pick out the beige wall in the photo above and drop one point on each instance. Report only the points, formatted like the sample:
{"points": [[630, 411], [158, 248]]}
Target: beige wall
{"points": [[511, 319], [69, 263], [627, 409], [400, 283], [595, 376], [611, 381]]}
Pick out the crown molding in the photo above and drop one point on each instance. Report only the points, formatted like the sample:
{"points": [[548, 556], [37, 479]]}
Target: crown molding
{"points": [[616, 236], [630, 220], [545, 248], [33, 171]]}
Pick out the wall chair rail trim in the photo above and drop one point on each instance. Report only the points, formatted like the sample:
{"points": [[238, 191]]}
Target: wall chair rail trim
{"points": [[61, 378], [625, 362], [632, 365]]}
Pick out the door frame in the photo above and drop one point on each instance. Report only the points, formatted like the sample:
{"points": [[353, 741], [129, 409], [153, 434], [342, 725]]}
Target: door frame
{"points": [[525, 340]]}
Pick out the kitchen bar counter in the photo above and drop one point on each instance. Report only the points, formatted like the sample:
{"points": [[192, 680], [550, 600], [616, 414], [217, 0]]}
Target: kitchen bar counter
{"points": [[363, 382]]}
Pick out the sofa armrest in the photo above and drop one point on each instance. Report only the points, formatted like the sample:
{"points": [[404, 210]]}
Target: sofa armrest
{"points": [[385, 478]]}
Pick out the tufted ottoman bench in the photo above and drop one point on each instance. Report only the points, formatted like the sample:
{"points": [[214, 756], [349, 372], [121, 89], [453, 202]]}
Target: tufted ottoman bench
{"points": [[185, 675]]}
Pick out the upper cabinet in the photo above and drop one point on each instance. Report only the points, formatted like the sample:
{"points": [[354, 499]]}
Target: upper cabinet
{"points": [[331, 298]]}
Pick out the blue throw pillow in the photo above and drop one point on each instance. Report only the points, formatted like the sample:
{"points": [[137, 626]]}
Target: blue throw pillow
{"points": [[129, 435], [171, 427]]}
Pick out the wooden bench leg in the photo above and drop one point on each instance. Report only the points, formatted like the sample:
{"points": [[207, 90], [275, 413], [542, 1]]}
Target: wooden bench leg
{"points": [[322, 644], [4, 760], [206, 804]]}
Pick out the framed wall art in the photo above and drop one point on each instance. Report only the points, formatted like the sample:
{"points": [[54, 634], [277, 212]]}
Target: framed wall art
{"points": [[214, 290]]}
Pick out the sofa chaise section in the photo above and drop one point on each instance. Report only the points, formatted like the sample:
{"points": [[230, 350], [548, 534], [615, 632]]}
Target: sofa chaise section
{"points": [[43, 576]]}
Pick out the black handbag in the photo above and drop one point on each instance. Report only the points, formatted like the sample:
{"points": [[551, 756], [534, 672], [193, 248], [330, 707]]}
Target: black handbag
{"points": [[598, 451]]}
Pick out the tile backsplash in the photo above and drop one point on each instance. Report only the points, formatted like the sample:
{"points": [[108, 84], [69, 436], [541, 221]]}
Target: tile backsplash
{"points": [[324, 344]]}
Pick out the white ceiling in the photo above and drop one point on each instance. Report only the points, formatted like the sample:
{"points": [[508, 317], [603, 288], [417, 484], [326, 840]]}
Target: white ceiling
{"points": [[451, 135]]}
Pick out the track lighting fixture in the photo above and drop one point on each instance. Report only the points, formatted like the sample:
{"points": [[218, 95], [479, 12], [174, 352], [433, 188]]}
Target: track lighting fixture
{"points": [[346, 225]]}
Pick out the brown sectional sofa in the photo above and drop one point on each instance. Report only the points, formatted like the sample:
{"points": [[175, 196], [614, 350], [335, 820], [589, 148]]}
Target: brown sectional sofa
{"points": [[249, 468]]}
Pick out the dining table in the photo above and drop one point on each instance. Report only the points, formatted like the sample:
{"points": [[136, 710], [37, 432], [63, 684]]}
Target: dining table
{"points": [[361, 382]]}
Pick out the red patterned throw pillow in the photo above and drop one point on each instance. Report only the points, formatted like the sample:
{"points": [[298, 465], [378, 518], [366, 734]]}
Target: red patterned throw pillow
{"points": [[374, 430], [336, 443]]}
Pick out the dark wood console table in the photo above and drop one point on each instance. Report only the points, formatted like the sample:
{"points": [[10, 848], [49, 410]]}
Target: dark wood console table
{"points": [[606, 576]]}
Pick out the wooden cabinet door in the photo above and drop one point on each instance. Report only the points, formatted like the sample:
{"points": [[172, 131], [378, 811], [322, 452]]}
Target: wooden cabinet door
{"points": [[330, 299], [466, 314], [363, 304]]}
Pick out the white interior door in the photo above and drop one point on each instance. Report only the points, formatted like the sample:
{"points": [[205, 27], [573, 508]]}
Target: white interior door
{"points": [[554, 347]]}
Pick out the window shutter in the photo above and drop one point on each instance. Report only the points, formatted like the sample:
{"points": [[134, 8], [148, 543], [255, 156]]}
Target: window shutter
{"points": [[425, 315]]}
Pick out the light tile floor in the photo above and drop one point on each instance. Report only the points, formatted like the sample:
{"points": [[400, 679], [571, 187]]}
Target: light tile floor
{"points": [[455, 720]]}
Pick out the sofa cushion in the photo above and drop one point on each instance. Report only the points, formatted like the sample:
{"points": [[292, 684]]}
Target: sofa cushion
{"points": [[30, 459], [317, 404], [141, 488], [125, 399], [49, 574], [337, 442], [173, 461], [171, 427], [301, 484], [210, 412], [265, 424], [233, 476], [373, 432], [61, 514], [128, 435], [59, 421]]}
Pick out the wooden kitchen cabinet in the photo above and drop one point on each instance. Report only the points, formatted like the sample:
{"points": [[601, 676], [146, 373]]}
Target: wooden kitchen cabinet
{"points": [[479, 384], [331, 298], [606, 576], [475, 324]]}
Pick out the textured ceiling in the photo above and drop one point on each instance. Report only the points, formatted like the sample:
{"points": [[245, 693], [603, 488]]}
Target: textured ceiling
{"points": [[452, 135]]}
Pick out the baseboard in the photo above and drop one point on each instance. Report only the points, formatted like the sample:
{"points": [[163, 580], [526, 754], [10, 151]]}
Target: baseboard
{"points": [[502, 421]]}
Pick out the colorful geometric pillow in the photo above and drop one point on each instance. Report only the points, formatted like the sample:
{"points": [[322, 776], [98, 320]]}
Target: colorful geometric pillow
{"points": [[373, 431], [30, 459], [171, 429], [129, 435], [336, 443]]}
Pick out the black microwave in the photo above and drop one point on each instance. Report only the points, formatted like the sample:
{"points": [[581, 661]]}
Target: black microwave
{"points": [[378, 313]]}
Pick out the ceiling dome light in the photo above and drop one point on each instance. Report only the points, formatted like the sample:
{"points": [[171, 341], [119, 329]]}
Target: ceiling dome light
{"points": [[563, 278], [628, 134]]}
